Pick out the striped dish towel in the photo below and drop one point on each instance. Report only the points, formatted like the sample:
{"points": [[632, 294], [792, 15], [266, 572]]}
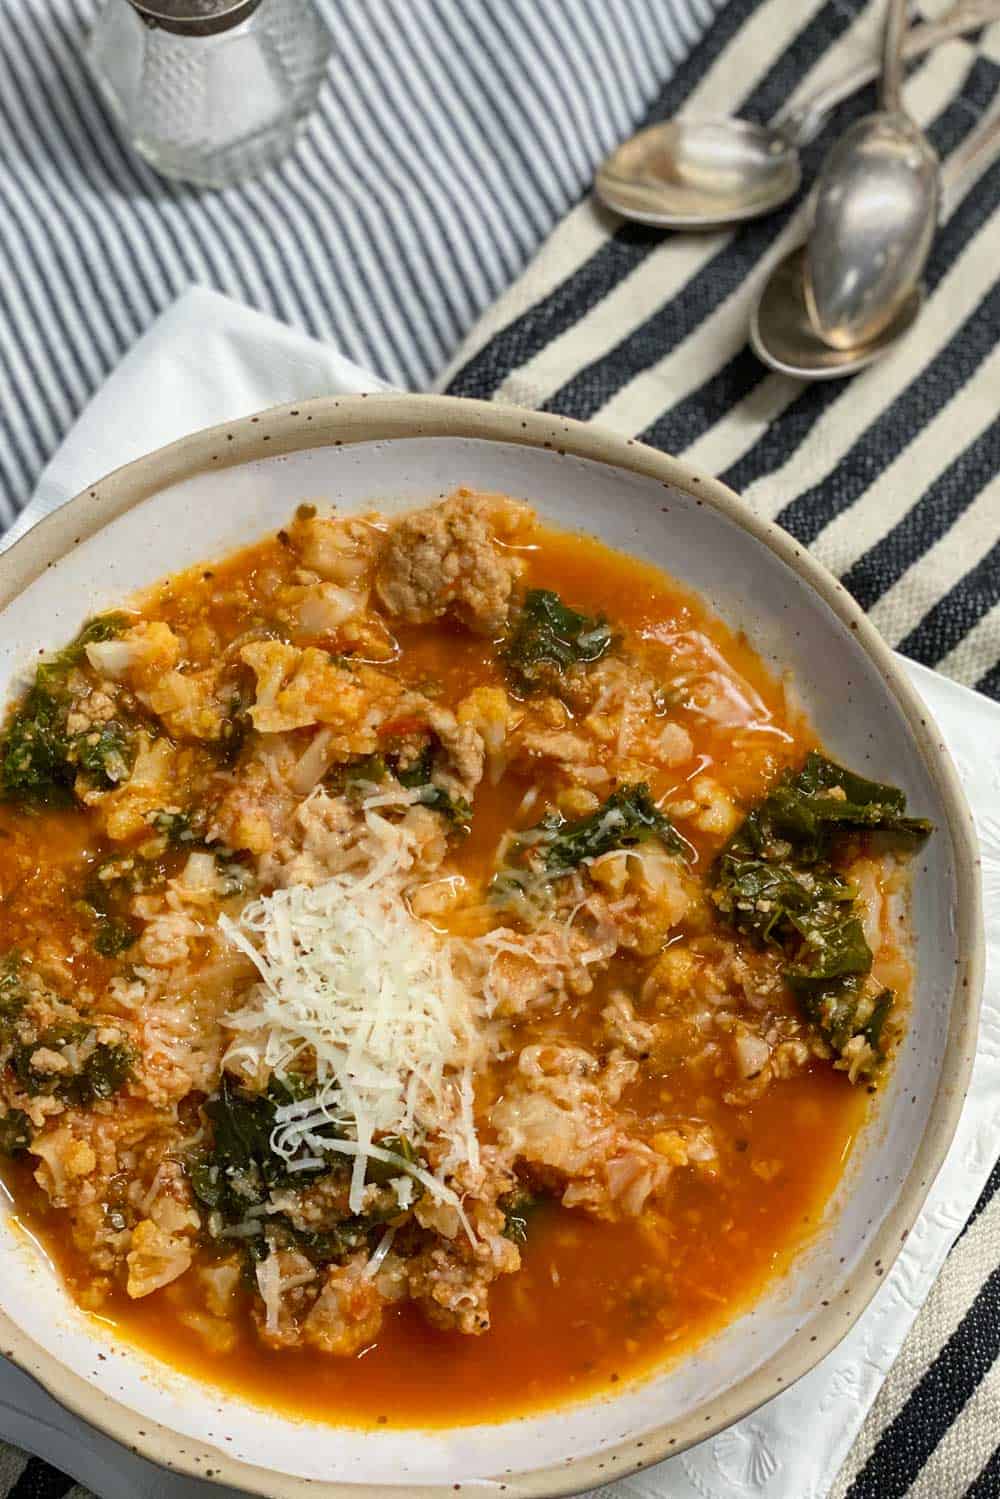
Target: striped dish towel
{"points": [[893, 478]]}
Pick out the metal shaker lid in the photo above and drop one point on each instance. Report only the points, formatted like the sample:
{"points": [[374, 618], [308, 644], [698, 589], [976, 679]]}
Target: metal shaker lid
{"points": [[194, 17]]}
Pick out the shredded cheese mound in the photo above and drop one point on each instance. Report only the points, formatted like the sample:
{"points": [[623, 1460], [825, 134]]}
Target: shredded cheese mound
{"points": [[357, 987]]}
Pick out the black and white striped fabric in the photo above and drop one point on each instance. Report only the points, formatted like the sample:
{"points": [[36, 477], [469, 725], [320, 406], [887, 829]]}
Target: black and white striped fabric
{"points": [[450, 138], [454, 136]]}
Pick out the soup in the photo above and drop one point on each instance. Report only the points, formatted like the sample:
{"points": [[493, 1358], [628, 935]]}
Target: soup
{"points": [[443, 974]]}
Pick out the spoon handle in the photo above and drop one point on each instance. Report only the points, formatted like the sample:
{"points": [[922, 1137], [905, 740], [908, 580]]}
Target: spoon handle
{"points": [[892, 56], [799, 124]]}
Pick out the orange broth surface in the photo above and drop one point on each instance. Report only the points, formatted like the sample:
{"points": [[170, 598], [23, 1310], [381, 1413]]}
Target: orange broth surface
{"points": [[595, 1303]]}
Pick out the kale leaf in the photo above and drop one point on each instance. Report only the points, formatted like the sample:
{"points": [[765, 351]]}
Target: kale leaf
{"points": [[38, 759], [841, 1010], [321, 1246], [104, 753], [812, 810], [370, 768], [873, 1026], [771, 900], [239, 1169], [417, 777], [350, 777], [101, 627], [416, 774], [547, 636], [15, 1132], [833, 944], [113, 935], [34, 762], [13, 995], [234, 1175], [106, 896], [556, 846], [383, 1172], [457, 809], [775, 882], [104, 1071], [235, 728], [628, 817]]}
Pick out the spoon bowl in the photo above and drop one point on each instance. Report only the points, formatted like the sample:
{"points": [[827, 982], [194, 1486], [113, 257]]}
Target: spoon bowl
{"points": [[782, 335], [874, 213], [874, 218], [699, 173], [781, 331]]}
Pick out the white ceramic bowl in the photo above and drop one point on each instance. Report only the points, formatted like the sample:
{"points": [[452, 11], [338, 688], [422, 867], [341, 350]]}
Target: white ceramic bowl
{"points": [[214, 491]]}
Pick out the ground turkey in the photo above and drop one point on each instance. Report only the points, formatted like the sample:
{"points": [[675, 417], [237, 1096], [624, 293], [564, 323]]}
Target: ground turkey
{"points": [[448, 559]]}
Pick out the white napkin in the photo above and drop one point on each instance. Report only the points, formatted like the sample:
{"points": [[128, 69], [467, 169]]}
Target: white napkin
{"points": [[208, 360], [205, 360]]}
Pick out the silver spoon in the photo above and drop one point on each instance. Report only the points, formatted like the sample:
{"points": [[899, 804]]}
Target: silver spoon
{"points": [[874, 213], [781, 333], [699, 173]]}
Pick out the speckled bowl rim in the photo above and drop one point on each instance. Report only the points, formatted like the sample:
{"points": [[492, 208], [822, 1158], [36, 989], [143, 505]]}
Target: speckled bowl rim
{"points": [[358, 419]]}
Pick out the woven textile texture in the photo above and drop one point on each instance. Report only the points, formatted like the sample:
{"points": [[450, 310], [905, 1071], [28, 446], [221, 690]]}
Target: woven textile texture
{"points": [[455, 135]]}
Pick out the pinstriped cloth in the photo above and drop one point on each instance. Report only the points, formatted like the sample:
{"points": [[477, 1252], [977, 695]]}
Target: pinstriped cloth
{"points": [[450, 138], [892, 479], [455, 136]]}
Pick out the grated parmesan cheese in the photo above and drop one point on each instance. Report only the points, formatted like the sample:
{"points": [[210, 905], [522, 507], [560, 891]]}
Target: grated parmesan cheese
{"points": [[367, 993], [382, 1249], [268, 1273]]}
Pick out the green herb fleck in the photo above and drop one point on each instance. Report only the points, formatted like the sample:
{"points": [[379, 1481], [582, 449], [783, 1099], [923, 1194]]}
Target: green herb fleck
{"points": [[114, 935], [177, 827], [15, 1132], [13, 995], [517, 1207], [104, 1071]]}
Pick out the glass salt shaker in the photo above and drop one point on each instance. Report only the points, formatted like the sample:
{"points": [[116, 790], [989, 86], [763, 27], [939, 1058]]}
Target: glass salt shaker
{"points": [[210, 91]]}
